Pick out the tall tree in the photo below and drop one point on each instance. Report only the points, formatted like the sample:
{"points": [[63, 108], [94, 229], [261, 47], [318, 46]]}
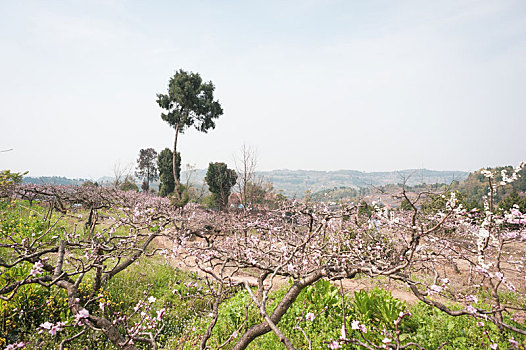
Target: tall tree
{"points": [[189, 102], [165, 166], [147, 167], [220, 180]]}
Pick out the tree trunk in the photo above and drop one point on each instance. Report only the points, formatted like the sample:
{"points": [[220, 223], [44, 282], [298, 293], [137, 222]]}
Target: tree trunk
{"points": [[285, 303], [174, 165]]}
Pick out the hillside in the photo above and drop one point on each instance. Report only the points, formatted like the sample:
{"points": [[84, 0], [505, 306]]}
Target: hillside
{"points": [[294, 183], [56, 180]]}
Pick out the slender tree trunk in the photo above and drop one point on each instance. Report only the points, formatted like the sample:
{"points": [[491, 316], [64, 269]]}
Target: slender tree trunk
{"points": [[174, 167], [148, 178]]}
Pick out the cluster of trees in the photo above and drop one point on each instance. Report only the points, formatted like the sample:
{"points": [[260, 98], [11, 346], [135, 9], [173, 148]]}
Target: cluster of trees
{"points": [[475, 188], [190, 102]]}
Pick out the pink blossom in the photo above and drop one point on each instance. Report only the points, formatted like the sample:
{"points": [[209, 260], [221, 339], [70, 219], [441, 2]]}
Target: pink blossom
{"points": [[310, 316], [82, 315], [160, 314], [343, 336], [46, 325], [472, 298], [470, 309], [334, 345], [37, 269], [493, 346], [435, 289]]}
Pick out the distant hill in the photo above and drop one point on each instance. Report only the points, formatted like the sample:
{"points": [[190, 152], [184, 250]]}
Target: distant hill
{"points": [[294, 183], [57, 180]]}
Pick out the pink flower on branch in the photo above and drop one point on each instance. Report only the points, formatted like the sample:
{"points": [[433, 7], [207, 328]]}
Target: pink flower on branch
{"points": [[334, 345]]}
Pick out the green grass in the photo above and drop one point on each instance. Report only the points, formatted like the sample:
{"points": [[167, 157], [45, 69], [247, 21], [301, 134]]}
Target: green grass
{"points": [[377, 309]]}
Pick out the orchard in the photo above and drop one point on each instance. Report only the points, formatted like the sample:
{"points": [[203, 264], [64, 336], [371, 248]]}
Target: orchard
{"points": [[97, 267]]}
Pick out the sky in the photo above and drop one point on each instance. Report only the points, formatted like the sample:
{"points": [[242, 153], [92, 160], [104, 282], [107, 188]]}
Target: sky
{"points": [[312, 84]]}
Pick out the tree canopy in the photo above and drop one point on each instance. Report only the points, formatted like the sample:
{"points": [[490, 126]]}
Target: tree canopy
{"points": [[220, 180], [165, 166]]}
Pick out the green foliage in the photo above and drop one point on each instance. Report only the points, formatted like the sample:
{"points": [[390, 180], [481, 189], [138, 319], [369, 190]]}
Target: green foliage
{"points": [[180, 293], [183, 198], [405, 205], [431, 328], [475, 187], [437, 202], [324, 296], [260, 195], [17, 223], [32, 304], [513, 199], [129, 184], [365, 209], [8, 179], [337, 194], [220, 181], [165, 166], [209, 202], [147, 167], [377, 307], [189, 102]]}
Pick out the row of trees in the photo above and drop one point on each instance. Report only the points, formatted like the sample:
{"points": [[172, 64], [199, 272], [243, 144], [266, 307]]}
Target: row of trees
{"points": [[152, 166]]}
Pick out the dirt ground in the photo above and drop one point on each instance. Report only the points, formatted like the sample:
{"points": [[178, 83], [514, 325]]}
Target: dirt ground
{"points": [[349, 285]]}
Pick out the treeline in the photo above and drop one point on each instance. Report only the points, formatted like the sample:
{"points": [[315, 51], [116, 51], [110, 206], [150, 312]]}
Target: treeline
{"points": [[56, 180]]}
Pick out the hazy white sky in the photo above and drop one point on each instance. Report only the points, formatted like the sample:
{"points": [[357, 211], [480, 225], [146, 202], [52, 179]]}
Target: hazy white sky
{"points": [[366, 85]]}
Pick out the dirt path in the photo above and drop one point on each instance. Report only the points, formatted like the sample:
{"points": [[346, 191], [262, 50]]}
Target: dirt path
{"points": [[349, 285]]}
